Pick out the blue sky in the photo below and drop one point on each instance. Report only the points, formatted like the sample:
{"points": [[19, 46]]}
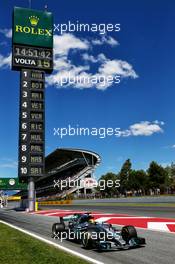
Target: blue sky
{"points": [[142, 53]]}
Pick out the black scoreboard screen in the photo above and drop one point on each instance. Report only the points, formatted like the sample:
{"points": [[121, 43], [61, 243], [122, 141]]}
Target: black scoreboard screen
{"points": [[32, 57], [32, 124]]}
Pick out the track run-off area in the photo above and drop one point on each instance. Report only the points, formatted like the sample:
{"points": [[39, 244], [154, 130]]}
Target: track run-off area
{"points": [[152, 223]]}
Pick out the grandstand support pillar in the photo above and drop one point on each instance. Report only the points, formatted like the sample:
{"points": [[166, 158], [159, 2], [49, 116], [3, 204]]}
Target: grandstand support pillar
{"points": [[85, 192], [78, 192], [31, 194]]}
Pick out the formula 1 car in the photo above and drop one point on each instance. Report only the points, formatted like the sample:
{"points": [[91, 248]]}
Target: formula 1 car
{"points": [[83, 229]]}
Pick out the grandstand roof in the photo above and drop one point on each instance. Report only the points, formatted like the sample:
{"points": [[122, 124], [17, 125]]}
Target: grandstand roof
{"points": [[62, 156]]}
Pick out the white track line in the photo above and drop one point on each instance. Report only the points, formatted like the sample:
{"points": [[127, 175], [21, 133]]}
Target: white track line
{"points": [[54, 210], [119, 217], [46, 211], [91, 260]]}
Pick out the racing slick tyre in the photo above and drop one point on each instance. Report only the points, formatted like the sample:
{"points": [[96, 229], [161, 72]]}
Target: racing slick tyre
{"points": [[128, 232], [87, 240], [57, 228]]}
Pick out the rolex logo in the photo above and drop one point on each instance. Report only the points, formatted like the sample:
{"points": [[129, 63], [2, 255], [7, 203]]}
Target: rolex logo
{"points": [[33, 20]]}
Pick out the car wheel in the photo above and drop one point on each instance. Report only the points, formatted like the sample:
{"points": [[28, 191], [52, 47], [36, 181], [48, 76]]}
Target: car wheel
{"points": [[87, 240], [57, 228], [128, 232]]}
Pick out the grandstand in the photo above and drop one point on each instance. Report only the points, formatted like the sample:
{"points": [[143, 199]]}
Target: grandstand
{"points": [[66, 164]]}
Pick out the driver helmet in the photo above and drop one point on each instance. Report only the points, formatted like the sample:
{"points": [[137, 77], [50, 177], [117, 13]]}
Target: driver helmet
{"points": [[92, 221]]}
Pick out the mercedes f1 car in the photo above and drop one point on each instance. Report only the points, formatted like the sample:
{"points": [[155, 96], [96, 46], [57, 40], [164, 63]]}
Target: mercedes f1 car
{"points": [[83, 229]]}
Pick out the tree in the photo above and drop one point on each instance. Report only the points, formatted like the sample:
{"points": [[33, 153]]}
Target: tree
{"points": [[107, 185], [138, 180], [171, 178], [157, 176], [124, 176]]}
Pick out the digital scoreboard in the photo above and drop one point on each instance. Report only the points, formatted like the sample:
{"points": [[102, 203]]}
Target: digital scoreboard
{"points": [[32, 123], [32, 55]]}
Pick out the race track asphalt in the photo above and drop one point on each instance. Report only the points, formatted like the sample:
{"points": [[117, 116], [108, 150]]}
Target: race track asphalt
{"points": [[159, 248]]}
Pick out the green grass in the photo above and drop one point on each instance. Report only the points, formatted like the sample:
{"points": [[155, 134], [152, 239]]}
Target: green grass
{"points": [[19, 248]]}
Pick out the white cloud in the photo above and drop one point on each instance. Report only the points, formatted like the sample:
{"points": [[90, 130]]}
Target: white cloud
{"points": [[64, 67], [169, 147], [165, 164], [61, 63], [90, 58], [81, 74], [145, 128], [117, 67], [100, 58], [66, 42], [67, 71], [8, 164], [5, 61], [6, 32], [82, 79], [159, 122], [105, 40]]}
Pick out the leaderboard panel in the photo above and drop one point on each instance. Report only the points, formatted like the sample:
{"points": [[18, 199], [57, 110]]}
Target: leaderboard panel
{"points": [[32, 57], [32, 124]]}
